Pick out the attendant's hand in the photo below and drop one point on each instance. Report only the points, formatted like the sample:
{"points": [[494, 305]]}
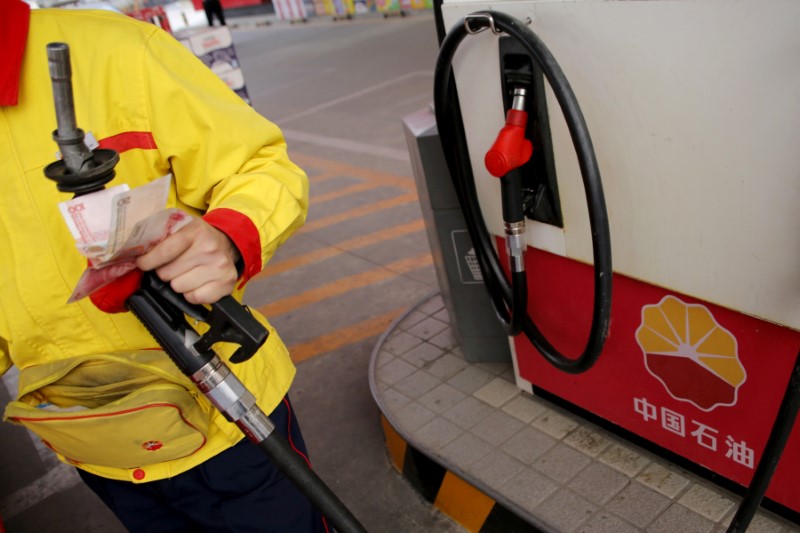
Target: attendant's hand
{"points": [[198, 261]]}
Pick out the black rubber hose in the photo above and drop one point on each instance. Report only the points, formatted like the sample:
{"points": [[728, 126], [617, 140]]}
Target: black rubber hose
{"points": [[781, 429], [438, 21], [165, 324], [511, 186], [458, 163], [519, 303], [295, 467], [461, 172], [456, 167], [513, 212]]}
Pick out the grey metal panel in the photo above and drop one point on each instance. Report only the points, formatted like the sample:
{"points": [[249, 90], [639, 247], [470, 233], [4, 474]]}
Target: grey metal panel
{"points": [[474, 322]]}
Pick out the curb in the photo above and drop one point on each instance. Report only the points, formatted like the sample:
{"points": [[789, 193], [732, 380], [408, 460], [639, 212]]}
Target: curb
{"points": [[449, 493], [446, 490]]}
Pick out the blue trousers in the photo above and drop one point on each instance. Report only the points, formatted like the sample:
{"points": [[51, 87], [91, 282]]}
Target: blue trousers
{"points": [[236, 491]]}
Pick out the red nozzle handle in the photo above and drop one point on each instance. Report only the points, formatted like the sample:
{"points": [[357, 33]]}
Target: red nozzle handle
{"points": [[511, 149]]}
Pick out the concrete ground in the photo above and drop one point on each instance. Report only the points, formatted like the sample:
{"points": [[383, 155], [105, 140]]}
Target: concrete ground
{"points": [[340, 90]]}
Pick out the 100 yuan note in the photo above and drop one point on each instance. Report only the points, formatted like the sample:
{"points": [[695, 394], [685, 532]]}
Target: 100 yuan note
{"points": [[131, 207], [88, 218], [144, 236]]}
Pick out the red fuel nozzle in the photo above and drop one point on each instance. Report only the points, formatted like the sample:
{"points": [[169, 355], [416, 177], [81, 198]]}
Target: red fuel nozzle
{"points": [[511, 149]]}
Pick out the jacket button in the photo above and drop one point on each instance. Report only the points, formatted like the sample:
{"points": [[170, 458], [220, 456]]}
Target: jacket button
{"points": [[138, 474]]}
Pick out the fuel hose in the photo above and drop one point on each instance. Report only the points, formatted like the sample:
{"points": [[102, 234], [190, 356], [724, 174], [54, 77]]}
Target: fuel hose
{"points": [[773, 450], [509, 298]]}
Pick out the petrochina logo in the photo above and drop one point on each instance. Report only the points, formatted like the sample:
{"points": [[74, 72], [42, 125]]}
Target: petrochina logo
{"points": [[152, 445], [694, 357]]}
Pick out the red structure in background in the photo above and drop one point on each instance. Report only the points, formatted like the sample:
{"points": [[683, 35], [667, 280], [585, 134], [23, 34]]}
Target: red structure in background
{"points": [[154, 15], [230, 4]]}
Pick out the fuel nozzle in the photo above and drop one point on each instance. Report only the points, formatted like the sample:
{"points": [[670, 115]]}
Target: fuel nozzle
{"points": [[511, 150], [80, 170]]}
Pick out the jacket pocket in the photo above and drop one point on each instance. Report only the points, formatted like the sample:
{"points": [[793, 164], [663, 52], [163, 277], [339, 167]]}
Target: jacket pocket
{"points": [[115, 412]]}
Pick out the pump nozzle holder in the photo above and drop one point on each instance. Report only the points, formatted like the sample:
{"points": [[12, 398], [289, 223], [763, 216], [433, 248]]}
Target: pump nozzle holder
{"points": [[511, 149]]}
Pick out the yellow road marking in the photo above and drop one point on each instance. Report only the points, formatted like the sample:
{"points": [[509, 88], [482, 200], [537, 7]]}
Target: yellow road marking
{"points": [[351, 244], [358, 212], [325, 175], [344, 191], [337, 168], [344, 336], [328, 169], [344, 285]]}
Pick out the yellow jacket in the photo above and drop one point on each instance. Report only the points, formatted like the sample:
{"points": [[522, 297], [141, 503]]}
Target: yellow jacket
{"points": [[141, 92]]}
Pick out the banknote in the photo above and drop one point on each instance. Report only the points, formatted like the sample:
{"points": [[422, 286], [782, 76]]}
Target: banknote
{"points": [[88, 218], [145, 235], [131, 207], [113, 227], [149, 232]]}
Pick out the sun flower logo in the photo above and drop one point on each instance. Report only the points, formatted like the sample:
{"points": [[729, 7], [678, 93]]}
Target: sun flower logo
{"points": [[694, 357]]}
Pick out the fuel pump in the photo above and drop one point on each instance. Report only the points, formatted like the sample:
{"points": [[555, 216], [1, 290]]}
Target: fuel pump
{"points": [[510, 151], [169, 317], [522, 197]]}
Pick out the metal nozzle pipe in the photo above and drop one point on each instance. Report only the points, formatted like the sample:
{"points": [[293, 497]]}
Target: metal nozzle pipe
{"points": [[80, 170], [76, 155], [61, 77], [519, 99]]}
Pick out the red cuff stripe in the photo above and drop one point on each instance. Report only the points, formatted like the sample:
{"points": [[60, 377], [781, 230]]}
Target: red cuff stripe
{"points": [[244, 234], [130, 140]]}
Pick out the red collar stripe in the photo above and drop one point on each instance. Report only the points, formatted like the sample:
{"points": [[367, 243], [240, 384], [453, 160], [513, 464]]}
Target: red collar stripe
{"points": [[13, 34]]}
